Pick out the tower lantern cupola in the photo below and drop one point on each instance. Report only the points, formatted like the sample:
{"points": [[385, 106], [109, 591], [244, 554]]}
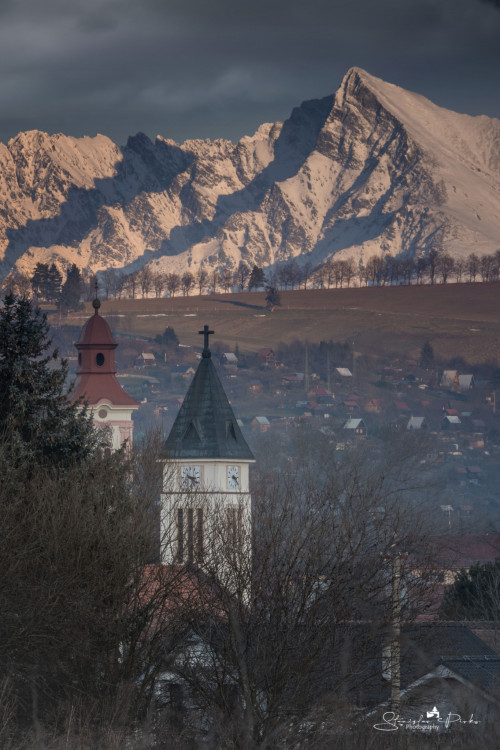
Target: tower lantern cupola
{"points": [[96, 381]]}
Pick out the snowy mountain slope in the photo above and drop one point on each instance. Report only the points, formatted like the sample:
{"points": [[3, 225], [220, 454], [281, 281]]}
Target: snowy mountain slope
{"points": [[373, 169]]}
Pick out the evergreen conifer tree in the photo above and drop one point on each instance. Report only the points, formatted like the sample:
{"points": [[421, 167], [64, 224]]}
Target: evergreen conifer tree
{"points": [[273, 298], [168, 338], [475, 594], [257, 278], [55, 281], [427, 356], [71, 289], [35, 413], [40, 281]]}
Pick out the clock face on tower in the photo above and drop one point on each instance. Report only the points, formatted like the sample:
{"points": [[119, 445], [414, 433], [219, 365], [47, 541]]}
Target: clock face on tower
{"points": [[190, 477], [233, 477]]}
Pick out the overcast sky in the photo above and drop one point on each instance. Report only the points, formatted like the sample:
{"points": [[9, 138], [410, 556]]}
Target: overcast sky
{"points": [[206, 69]]}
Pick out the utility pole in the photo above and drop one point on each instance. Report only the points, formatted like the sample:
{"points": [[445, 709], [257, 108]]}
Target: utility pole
{"points": [[306, 374], [328, 383], [396, 634]]}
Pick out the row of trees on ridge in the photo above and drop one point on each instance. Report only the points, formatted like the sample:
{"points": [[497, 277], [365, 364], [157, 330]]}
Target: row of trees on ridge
{"points": [[46, 282]]}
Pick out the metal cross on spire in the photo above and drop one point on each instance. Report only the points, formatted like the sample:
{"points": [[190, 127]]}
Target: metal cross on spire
{"points": [[96, 302], [206, 333]]}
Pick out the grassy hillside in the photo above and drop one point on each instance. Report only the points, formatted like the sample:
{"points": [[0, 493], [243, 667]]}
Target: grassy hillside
{"points": [[458, 319]]}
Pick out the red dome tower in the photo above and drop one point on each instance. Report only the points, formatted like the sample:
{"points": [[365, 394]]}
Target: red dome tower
{"points": [[96, 380]]}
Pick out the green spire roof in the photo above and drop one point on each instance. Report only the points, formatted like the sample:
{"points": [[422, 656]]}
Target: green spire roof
{"points": [[205, 426]]}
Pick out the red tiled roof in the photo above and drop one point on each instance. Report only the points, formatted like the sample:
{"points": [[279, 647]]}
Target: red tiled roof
{"points": [[96, 331], [318, 392], [93, 387], [96, 375], [462, 551], [401, 405], [167, 589]]}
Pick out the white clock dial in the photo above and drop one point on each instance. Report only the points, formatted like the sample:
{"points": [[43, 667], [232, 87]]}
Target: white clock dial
{"points": [[190, 477], [233, 477]]}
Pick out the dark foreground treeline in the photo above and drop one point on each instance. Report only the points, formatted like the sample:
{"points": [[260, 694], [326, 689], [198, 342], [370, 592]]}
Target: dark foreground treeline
{"points": [[271, 634]]}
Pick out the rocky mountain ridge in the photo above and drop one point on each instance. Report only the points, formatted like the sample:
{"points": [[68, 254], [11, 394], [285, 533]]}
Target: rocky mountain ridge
{"points": [[373, 169]]}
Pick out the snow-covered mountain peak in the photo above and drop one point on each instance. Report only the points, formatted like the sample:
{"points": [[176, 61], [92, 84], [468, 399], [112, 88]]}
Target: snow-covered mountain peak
{"points": [[371, 169]]}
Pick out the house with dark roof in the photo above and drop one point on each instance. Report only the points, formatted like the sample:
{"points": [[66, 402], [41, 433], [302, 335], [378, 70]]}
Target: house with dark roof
{"points": [[451, 423], [185, 371], [355, 427], [416, 423], [446, 666]]}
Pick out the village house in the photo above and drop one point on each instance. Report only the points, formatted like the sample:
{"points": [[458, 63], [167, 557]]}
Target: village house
{"points": [[297, 379], [266, 357], [401, 406], [446, 669], [184, 371], [465, 383], [342, 373], [260, 423], [229, 360], [255, 386], [452, 553], [416, 423], [356, 427], [350, 406], [146, 359], [451, 422], [449, 379]]}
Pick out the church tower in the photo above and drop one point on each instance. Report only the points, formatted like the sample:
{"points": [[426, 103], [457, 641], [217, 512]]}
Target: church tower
{"points": [[206, 470], [96, 381]]}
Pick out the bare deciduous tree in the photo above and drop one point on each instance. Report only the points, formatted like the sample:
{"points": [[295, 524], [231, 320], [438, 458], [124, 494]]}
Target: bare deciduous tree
{"points": [[173, 283], [145, 280], [159, 282], [201, 279], [290, 609], [188, 281]]}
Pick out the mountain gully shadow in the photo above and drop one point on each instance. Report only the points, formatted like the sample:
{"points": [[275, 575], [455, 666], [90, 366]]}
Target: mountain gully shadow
{"points": [[146, 166], [152, 167], [345, 232], [298, 137]]}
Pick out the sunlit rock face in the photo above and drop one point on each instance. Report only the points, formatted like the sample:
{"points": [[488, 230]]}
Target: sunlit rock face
{"points": [[372, 169]]}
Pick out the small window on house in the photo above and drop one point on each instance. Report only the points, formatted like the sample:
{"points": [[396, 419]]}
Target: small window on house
{"points": [[79, 358], [102, 413], [99, 359]]}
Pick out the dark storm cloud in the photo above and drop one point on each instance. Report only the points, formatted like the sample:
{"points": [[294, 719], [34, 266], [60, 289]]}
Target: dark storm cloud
{"points": [[189, 68]]}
